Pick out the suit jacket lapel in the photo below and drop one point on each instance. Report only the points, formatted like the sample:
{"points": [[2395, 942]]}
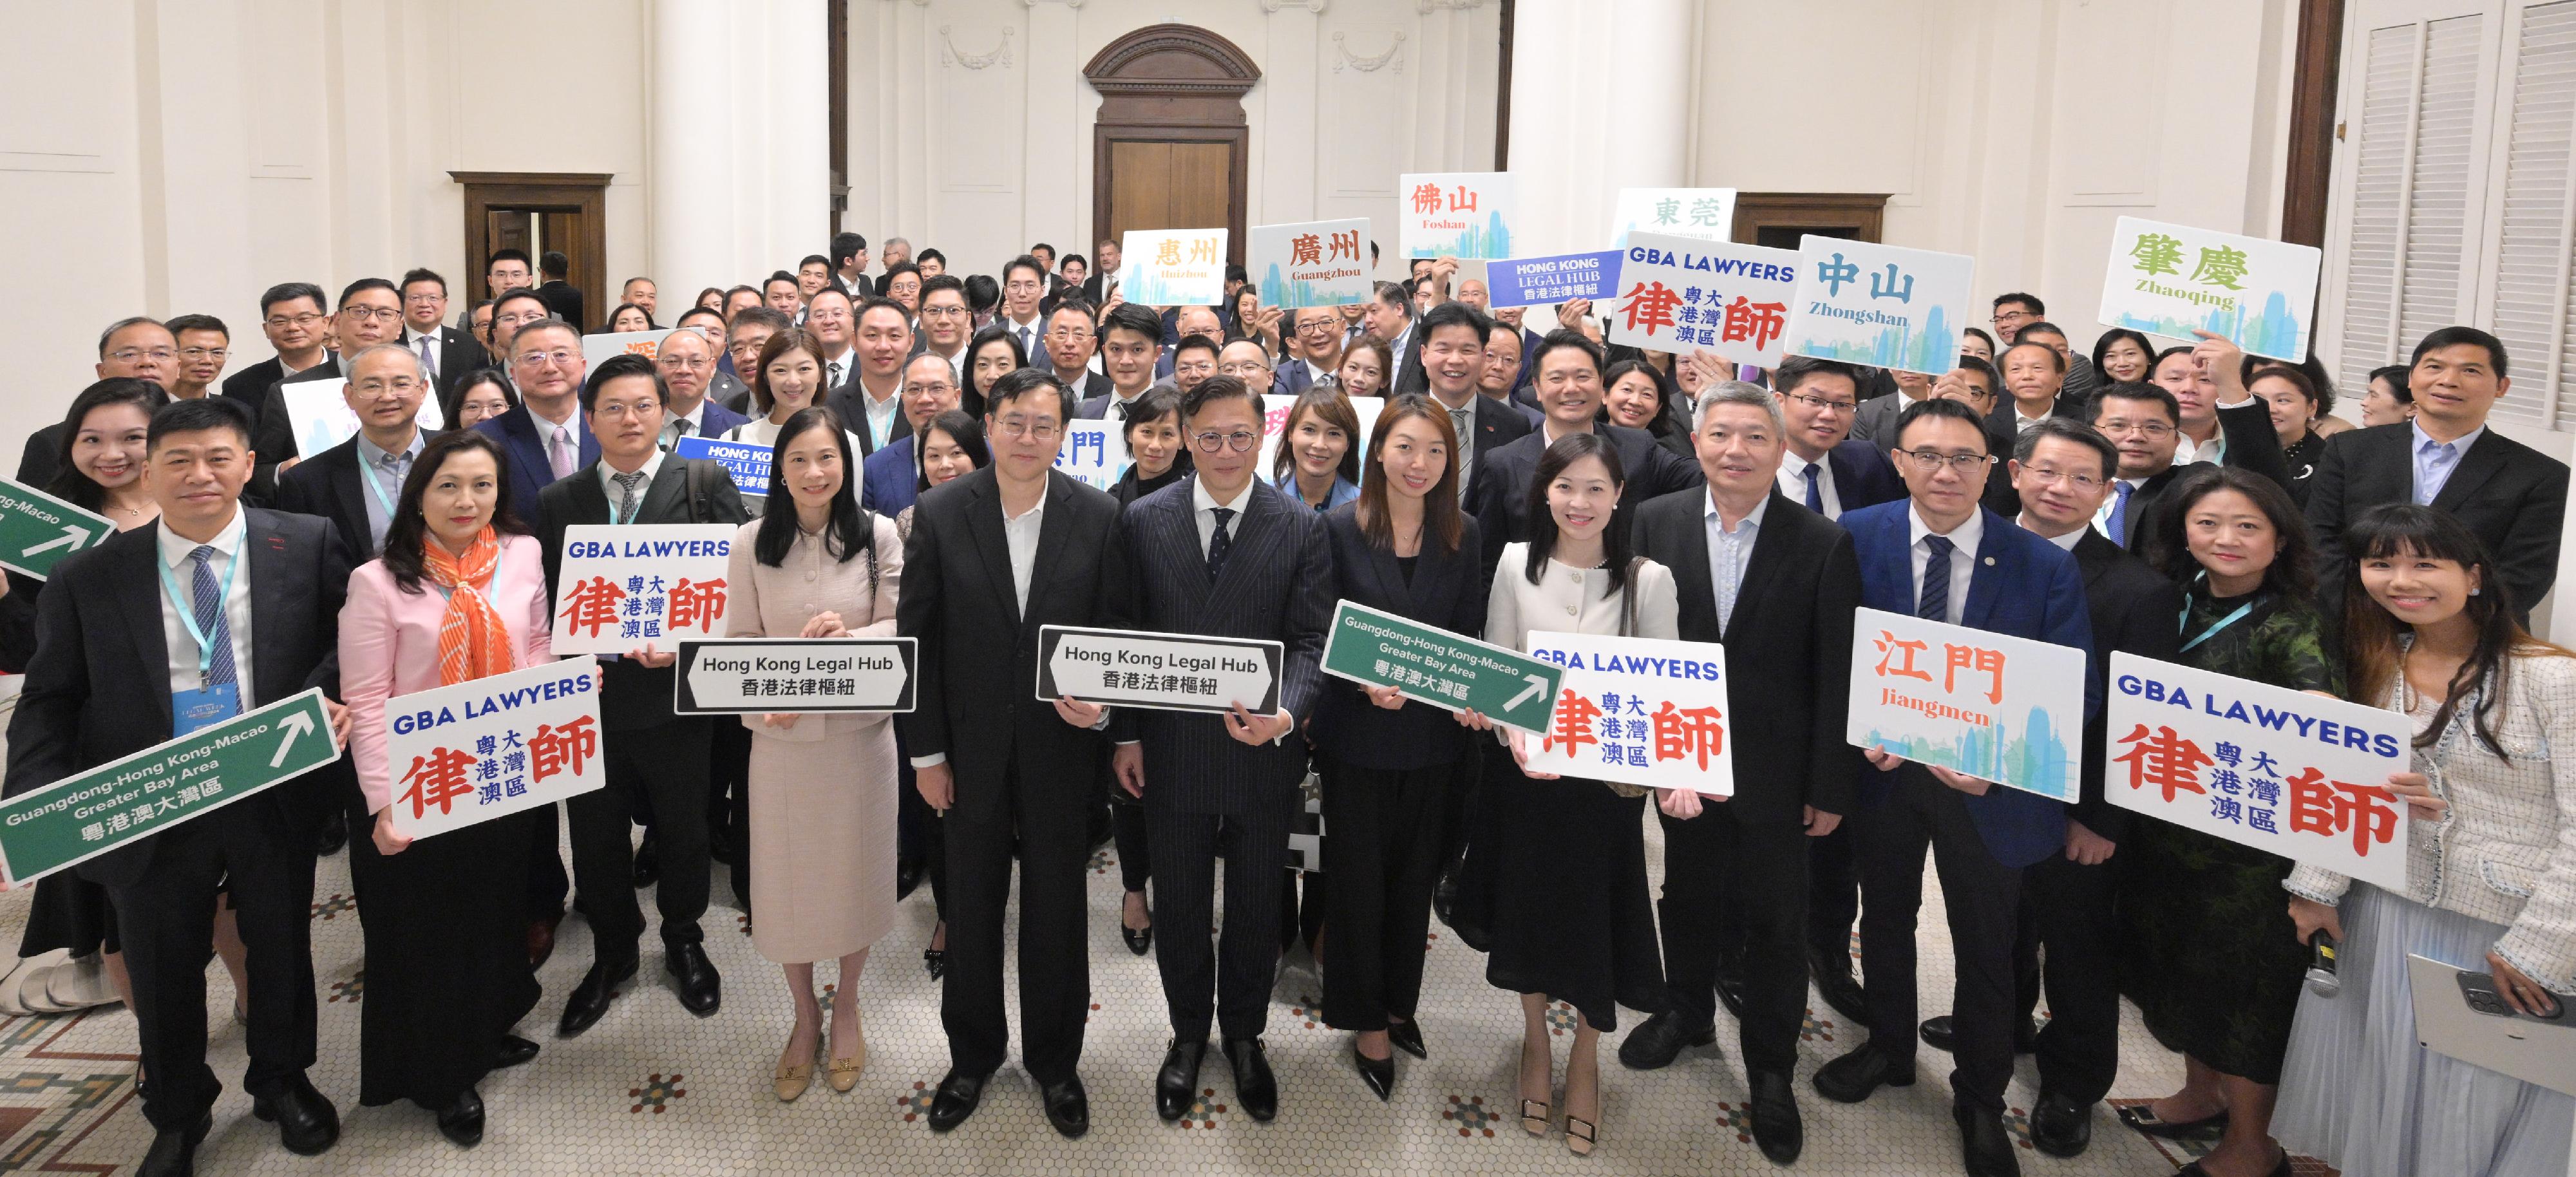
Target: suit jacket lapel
{"points": [[984, 530], [1253, 531], [2483, 461], [666, 497], [139, 594], [263, 553], [353, 500], [1770, 551], [1987, 570], [1181, 533]]}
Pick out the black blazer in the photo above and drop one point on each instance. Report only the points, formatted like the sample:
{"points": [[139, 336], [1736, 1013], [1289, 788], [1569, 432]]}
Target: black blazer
{"points": [[975, 697], [1498, 424], [2252, 445], [1788, 648], [564, 299], [99, 686], [1500, 486], [2513, 496], [850, 401], [634, 696], [272, 434], [1447, 590], [249, 387], [458, 354], [42, 459], [2136, 610], [327, 485], [1277, 585]]}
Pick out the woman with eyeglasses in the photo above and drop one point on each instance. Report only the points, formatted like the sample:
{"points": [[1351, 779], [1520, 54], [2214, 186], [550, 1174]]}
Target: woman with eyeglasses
{"points": [[483, 394], [2215, 965]]}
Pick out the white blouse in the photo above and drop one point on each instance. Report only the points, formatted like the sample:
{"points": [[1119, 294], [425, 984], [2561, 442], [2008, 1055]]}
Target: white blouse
{"points": [[1574, 600]]}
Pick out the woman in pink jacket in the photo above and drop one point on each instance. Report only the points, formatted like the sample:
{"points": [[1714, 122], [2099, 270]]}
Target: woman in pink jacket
{"points": [[459, 594]]}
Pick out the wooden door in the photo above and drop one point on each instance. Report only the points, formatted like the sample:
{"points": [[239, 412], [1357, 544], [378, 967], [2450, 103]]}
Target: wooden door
{"points": [[1170, 149], [537, 212], [1169, 186]]}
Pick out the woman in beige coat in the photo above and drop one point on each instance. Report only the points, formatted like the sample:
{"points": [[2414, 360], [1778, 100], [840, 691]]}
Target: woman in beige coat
{"points": [[823, 787]]}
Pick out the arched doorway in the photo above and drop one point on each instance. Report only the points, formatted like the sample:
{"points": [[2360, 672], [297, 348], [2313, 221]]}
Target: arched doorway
{"points": [[1170, 149]]}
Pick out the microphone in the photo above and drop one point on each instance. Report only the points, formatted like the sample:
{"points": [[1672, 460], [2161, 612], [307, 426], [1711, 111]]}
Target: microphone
{"points": [[2322, 980]]}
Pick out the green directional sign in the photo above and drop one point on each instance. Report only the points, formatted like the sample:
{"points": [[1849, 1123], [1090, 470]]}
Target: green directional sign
{"points": [[37, 530], [1446, 670], [81, 817]]}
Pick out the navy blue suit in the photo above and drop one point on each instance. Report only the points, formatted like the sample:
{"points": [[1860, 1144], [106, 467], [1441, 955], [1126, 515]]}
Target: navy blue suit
{"points": [[2024, 586], [1863, 477], [716, 419], [529, 470], [889, 481]]}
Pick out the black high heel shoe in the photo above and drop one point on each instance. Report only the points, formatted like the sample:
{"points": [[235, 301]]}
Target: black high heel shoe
{"points": [[934, 961], [1139, 940], [1407, 1037], [1378, 1073]]}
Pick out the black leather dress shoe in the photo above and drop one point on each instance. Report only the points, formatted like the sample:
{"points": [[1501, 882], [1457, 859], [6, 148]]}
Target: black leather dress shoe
{"points": [[908, 874], [648, 861], [2059, 1126], [1444, 897], [307, 1124], [1730, 988], [1176, 1086], [513, 1051], [934, 961], [958, 1096], [1942, 1034], [1378, 1073], [1066, 1107], [1985, 1150], [333, 836], [1777, 1130], [1835, 983], [1851, 1078], [1407, 1037], [701, 990], [174, 1150], [1139, 940], [1658, 1040], [590, 999], [1254, 1087], [461, 1121], [720, 844]]}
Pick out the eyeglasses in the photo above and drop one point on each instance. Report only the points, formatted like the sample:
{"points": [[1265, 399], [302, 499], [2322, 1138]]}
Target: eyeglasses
{"points": [[281, 322], [1243, 369], [943, 312], [2003, 317], [200, 354], [699, 364], [392, 384], [621, 410], [2083, 482], [1820, 404], [1238, 441], [127, 355], [364, 313], [1017, 428], [2151, 429], [1929, 461], [561, 358]]}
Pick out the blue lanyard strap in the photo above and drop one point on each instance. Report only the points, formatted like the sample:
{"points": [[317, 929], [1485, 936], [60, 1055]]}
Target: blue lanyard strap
{"points": [[367, 475], [188, 612], [2212, 631]]}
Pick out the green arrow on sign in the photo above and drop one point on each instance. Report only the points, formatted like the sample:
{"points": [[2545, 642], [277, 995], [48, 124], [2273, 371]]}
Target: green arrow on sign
{"points": [[1447, 670], [37, 530], [81, 817]]}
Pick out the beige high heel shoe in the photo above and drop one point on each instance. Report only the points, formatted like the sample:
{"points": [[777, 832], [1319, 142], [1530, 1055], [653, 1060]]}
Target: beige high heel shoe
{"points": [[790, 1081], [843, 1074]]}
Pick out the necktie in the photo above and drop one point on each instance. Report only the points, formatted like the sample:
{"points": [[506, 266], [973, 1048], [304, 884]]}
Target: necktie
{"points": [[559, 451], [1815, 491], [677, 428], [429, 357], [1935, 605], [2119, 524], [628, 486], [211, 620], [834, 376], [1220, 543]]}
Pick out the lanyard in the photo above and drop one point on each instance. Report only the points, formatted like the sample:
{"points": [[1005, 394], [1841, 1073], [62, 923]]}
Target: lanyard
{"points": [[367, 474], [188, 613], [2212, 631]]}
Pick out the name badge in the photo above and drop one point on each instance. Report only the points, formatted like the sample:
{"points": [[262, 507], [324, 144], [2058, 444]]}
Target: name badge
{"points": [[190, 710]]}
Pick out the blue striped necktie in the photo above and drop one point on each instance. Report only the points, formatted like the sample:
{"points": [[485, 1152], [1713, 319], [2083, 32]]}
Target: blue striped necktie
{"points": [[211, 618]]}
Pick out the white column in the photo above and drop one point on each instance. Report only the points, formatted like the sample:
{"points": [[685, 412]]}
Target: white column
{"points": [[798, 170], [689, 183], [1055, 200], [1289, 147], [1570, 161]]}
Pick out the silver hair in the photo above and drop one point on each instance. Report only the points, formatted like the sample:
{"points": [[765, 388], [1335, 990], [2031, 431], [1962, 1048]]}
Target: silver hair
{"points": [[122, 324], [907, 245], [1737, 392], [419, 367]]}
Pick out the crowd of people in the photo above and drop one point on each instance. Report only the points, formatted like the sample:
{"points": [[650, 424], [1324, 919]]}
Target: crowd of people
{"points": [[2186, 503]]}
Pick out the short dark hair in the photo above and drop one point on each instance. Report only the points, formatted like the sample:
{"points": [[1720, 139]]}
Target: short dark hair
{"points": [[1135, 318], [423, 274], [761, 315], [1153, 404], [2042, 326], [198, 323], [511, 254], [1455, 314], [363, 285], [1076, 304], [813, 259], [519, 293], [1071, 258], [555, 264], [983, 293], [1216, 388], [1022, 382], [698, 312], [1395, 295], [2029, 300], [1942, 406], [618, 367], [2065, 430], [1024, 261], [1194, 342], [879, 303], [845, 246], [2457, 336], [289, 292], [2024, 340], [1558, 340], [779, 276], [911, 268], [195, 416], [942, 281], [1797, 370], [1976, 364], [1040, 245], [2133, 390], [2395, 375], [929, 254], [1234, 273], [831, 291]]}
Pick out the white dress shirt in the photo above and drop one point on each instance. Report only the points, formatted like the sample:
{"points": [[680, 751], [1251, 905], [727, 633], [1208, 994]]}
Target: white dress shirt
{"points": [[881, 413], [2111, 502], [2066, 541], [1963, 556], [1203, 510], [651, 468], [1793, 481], [1020, 534], [1730, 553], [183, 574]]}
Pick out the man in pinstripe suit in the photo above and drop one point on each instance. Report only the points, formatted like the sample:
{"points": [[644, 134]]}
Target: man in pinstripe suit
{"points": [[1224, 554]]}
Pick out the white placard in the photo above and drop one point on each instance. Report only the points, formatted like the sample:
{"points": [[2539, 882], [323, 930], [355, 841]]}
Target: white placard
{"points": [[1310, 263], [1705, 213], [1465, 215], [1641, 711], [620, 587], [2167, 280], [739, 676], [1094, 451], [1160, 671], [1885, 306], [318, 413], [1679, 294], [599, 349], [466, 754], [1996, 707], [1173, 267]]}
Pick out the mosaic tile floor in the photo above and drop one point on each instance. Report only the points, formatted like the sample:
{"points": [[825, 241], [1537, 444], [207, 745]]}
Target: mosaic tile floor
{"points": [[652, 1090]]}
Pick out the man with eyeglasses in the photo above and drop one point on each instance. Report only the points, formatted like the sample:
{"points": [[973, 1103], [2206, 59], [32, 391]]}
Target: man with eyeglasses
{"points": [[1825, 470], [2012, 312], [1130, 337], [139, 347], [1179, 323], [890, 479], [447, 352], [356, 483], [687, 362], [2144, 422], [946, 323], [1072, 339], [745, 336], [1011, 777], [1568, 383], [722, 388], [1193, 360], [871, 403], [832, 318], [543, 433], [205, 345], [370, 313], [1222, 553], [1246, 360], [1318, 333], [1024, 282], [1936, 554], [2063, 471], [512, 313], [902, 283], [291, 316]]}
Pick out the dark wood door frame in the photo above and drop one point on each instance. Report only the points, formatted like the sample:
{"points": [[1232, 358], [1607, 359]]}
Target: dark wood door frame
{"points": [[582, 193], [1865, 212], [2314, 77], [1173, 83]]}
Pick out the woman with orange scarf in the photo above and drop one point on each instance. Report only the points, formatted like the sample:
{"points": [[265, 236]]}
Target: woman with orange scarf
{"points": [[459, 594]]}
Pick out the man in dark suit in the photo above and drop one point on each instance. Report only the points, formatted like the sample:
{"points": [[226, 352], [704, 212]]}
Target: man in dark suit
{"points": [[138, 347], [356, 483], [1130, 338], [648, 750], [1319, 336], [2142, 422], [293, 317], [370, 312], [2034, 388], [1569, 386], [448, 353], [994, 556], [544, 434], [1024, 284], [871, 401], [1104, 272], [1389, 316], [1181, 325], [849, 259], [2448, 458], [1222, 553], [891, 477], [562, 297], [1980, 571], [2063, 471], [117, 654], [1776, 586], [1072, 338], [686, 359]]}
